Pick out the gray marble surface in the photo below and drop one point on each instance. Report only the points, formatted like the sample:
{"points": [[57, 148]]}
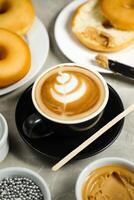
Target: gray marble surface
{"points": [[62, 183]]}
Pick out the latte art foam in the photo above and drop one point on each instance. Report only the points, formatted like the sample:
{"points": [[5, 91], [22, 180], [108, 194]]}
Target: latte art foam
{"points": [[68, 88], [69, 93]]}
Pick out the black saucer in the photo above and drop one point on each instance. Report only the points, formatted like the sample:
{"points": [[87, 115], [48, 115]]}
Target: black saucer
{"points": [[56, 146]]}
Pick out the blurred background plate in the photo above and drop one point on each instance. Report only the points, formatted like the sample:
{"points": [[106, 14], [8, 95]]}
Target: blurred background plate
{"points": [[38, 41]]}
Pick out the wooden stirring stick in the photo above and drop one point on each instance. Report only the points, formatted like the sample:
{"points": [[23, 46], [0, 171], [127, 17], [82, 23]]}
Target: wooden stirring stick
{"points": [[92, 138]]}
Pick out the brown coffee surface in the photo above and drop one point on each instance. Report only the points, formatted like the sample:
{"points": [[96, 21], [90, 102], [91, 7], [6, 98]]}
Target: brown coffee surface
{"points": [[69, 93], [109, 183]]}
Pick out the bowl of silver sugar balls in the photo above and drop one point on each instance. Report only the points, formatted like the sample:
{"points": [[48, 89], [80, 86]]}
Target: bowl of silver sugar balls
{"points": [[22, 184]]}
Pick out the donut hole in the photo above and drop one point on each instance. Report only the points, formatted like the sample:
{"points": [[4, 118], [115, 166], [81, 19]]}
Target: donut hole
{"points": [[3, 53], [106, 24], [4, 7]]}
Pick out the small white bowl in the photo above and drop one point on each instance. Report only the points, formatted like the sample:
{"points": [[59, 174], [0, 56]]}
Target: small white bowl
{"points": [[4, 145], [36, 178], [96, 164]]}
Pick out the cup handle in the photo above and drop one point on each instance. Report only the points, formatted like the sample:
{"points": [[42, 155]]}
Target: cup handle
{"points": [[35, 127]]}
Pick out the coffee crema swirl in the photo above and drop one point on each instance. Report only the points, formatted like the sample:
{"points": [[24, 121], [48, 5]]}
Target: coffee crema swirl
{"points": [[68, 93]]}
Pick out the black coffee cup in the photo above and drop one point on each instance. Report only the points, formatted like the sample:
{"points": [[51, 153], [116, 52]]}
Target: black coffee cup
{"points": [[40, 124]]}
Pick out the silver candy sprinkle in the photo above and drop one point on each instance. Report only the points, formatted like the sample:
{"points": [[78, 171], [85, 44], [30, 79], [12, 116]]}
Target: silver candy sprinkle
{"points": [[19, 188]]}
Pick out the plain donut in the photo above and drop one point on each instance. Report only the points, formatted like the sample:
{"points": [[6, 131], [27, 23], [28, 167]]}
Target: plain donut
{"points": [[16, 15], [15, 59], [120, 13]]}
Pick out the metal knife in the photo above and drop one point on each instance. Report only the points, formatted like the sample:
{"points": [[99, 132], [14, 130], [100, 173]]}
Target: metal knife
{"points": [[115, 66]]}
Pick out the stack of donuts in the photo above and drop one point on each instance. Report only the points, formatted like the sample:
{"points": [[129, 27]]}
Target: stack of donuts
{"points": [[16, 17], [104, 25]]}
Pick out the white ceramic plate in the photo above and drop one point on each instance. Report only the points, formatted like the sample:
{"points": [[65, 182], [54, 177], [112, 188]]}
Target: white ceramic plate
{"points": [[38, 42], [74, 50]]}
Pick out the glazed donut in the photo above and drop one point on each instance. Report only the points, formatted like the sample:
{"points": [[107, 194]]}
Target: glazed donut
{"points": [[16, 15], [15, 58], [120, 13]]}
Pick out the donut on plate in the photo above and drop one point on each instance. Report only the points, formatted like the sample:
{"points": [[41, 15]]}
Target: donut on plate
{"points": [[16, 15], [120, 13], [94, 31], [15, 59]]}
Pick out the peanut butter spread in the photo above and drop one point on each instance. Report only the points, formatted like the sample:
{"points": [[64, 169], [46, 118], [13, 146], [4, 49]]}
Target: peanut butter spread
{"points": [[102, 60], [101, 37], [109, 183]]}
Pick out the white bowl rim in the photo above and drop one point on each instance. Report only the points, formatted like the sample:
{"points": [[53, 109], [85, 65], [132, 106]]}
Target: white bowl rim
{"points": [[5, 131], [105, 159], [30, 172], [105, 85]]}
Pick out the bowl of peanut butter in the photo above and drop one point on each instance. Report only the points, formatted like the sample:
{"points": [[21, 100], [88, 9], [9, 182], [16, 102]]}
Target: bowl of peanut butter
{"points": [[109, 178]]}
